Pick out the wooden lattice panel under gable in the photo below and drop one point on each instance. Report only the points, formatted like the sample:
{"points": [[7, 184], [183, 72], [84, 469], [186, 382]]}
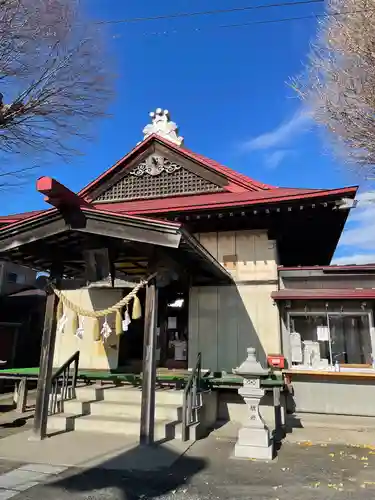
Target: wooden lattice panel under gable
{"points": [[157, 177]]}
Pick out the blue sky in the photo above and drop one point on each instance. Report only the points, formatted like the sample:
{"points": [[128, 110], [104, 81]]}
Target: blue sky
{"points": [[227, 90]]}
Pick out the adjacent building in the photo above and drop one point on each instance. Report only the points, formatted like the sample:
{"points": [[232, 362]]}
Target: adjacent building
{"points": [[14, 278]]}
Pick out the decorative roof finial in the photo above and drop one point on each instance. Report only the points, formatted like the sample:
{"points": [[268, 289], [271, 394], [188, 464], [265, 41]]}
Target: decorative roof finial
{"points": [[162, 126]]}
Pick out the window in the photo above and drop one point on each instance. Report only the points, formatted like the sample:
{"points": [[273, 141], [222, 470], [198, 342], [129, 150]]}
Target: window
{"points": [[20, 279], [12, 277], [319, 341], [351, 341]]}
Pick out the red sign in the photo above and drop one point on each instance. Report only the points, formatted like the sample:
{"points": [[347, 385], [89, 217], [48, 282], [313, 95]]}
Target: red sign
{"points": [[276, 361]]}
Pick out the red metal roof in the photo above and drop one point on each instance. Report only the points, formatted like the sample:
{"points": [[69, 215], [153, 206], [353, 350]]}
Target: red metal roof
{"points": [[241, 190], [9, 219], [42, 213], [246, 182], [204, 201], [322, 294], [237, 182], [221, 200], [332, 267]]}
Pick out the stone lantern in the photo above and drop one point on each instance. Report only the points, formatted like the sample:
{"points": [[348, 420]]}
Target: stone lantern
{"points": [[254, 439]]}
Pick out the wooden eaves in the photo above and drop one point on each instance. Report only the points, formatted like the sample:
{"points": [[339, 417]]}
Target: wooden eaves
{"points": [[37, 241]]}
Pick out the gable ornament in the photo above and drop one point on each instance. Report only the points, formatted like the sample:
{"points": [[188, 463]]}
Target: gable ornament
{"points": [[155, 165]]}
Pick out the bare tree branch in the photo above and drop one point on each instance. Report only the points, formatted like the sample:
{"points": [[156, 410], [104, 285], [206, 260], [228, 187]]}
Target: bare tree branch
{"points": [[55, 81], [338, 85]]}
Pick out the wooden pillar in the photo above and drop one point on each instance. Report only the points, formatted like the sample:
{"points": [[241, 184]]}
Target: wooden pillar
{"points": [[149, 367], [46, 360]]}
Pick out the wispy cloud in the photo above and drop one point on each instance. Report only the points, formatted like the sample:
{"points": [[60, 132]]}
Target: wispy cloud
{"points": [[358, 240], [282, 134], [357, 258], [362, 233], [273, 159]]}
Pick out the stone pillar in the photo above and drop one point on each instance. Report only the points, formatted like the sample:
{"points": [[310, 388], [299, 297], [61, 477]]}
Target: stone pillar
{"points": [[254, 439]]}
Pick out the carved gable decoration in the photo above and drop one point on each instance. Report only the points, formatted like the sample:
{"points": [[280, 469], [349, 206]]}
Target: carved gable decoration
{"points": [[157, 177]]}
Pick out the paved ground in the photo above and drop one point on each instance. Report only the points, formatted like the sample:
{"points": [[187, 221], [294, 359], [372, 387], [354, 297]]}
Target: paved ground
{"points": [[206, 472], [314, 463], [11, 422], [17, 478]]}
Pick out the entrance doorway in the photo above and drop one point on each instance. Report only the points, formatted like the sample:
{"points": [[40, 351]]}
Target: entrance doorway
{"points": [[173, 326], [172, 332], [131, 341]]}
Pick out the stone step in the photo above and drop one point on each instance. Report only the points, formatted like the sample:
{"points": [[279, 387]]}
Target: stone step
{"points": [[111, 425], [121, 409], [127, 394]]}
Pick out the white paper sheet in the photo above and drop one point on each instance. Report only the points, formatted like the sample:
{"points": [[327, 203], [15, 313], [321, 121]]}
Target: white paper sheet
{"points": [[296, 347], [172, 323], [322, 333]]}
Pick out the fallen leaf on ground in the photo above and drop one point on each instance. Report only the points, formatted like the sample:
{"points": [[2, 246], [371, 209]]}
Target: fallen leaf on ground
{"points": [[316, 485]]}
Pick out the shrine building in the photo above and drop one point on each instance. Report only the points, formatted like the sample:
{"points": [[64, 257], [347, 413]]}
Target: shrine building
{"points": [[230, 254], [241, 229]]}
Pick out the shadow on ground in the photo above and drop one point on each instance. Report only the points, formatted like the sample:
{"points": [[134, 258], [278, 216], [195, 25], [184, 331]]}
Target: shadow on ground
{"points": [[4, 408], [142, 472], [14, 424]]}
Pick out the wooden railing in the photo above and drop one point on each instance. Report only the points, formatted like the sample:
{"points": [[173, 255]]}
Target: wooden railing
{"points": [[63, 384], [192, 399]]}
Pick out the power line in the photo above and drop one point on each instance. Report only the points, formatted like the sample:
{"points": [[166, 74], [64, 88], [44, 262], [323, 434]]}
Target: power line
{"points": [[298, 18], [279, 20], [132, 20], [266, 21]]}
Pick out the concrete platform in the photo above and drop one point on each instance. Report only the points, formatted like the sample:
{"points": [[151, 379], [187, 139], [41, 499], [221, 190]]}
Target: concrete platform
{"points": [[316, 433], [253, 452], [87, 450]]}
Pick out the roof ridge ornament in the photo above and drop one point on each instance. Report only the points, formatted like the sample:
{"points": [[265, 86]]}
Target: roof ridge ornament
{"points": [[163, 126]]}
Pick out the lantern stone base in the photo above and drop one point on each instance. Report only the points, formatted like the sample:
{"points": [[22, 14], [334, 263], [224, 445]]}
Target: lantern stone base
{"points": [[254, 443], [254, 438]]}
